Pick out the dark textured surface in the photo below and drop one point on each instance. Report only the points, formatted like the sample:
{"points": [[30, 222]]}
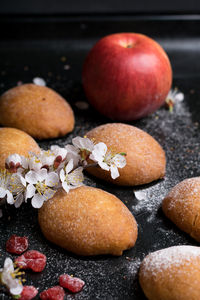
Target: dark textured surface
{"points": [[66, 43]]}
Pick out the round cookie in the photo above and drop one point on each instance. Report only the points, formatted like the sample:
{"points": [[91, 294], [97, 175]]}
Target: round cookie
{"points": [[145, 157], [88, 221], [37, 110], [15, 141], [182, 206], [171, 274]]}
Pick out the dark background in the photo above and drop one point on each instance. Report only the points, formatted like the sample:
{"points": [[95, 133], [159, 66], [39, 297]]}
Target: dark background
{"points": [[103, 6]]}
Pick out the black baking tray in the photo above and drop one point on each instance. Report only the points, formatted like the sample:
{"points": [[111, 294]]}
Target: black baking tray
{"points": [[54, 48]]}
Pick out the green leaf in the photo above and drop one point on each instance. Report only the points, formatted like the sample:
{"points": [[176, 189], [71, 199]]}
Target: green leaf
{"points": [[16, 296], [123, 153]]}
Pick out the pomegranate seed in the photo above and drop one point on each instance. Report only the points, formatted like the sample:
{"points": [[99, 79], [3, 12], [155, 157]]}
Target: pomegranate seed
{"points": [[73, 284], [54, 293], [28, 293], [17, 244], [32, 259]]}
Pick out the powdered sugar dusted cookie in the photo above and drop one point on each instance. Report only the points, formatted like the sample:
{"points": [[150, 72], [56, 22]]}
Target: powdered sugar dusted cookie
{"points": [[171, 273], [88, 221], [182, 206], [144, 156], [38, 110], [15, 141]]}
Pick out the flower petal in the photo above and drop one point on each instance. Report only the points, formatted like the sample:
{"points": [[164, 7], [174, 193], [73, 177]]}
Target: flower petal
{"points": [[83, 143], [119, 161], [2, 192], [49, 193], [114, 172], [19, 200], [30, 191], [34, 163], [58, 151], [103, 165], [179, 97], [42, 174], [8, 265], [31, 177], [10, 198], [69, 166], [24, 161], [15, 287], [99, 152], [37, 201], [76, 177], [66, 187], [22, 179], [52, 179], [139, 195], [62, 175]]}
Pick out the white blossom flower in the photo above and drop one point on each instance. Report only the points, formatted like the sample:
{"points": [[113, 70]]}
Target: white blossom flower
{"points": [[13, 162], [40, 186], [73, 153], [47, 158], [34, 162], [60, 155], [8, 277], [59, 151], [83, 143], [173, 97], [83, 147], [108, 161], [71, 180], [4, 186], [16, 162], [18, 189]]}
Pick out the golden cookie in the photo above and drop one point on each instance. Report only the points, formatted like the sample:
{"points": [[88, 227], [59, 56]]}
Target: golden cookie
{"points": [[171, 274], [37, 110], [145, 157], [15, 141], [182, 206], [88, 221]]}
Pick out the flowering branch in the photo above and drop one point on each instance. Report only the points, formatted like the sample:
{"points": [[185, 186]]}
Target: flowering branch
{"points": [[38, 177]]}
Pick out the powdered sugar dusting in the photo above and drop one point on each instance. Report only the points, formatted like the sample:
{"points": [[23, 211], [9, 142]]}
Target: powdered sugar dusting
{"points": [[176, 256], [133, 266], [184, 192], [149, 200]]}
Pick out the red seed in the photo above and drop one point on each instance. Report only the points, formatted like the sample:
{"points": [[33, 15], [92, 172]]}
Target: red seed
{"points": [[17, 244], [28, 293], [32, 259], [73, 284], [54, 293]]}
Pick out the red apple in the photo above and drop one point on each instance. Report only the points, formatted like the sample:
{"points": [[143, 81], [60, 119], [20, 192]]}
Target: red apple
{"points": [[126, 76]]}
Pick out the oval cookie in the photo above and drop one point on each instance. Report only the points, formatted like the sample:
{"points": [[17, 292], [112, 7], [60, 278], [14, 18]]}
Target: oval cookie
{"points": [[145, 157], [38, 110], [171, 274], [88, 221], [15, 141], [182, 206]]}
